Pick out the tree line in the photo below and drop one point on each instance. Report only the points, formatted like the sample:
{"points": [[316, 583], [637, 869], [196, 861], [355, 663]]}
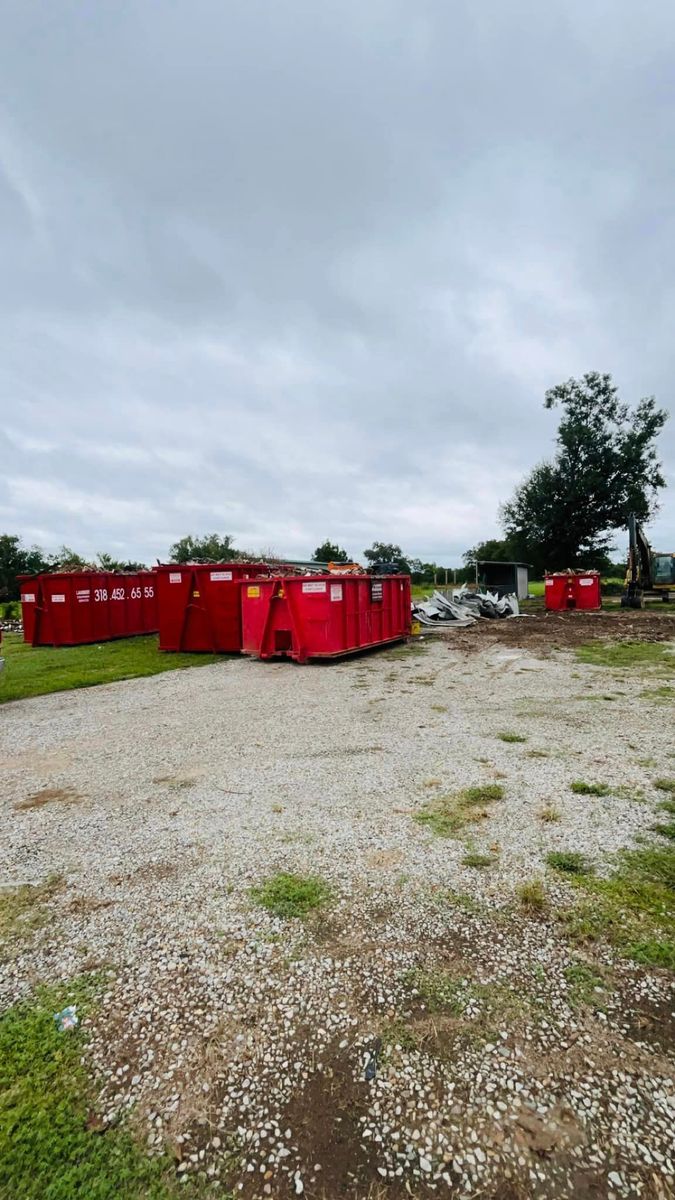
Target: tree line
{"points": [[565, 513]]}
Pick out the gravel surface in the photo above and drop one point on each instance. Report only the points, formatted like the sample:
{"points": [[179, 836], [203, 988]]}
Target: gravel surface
{"points": [[287, 1057]]}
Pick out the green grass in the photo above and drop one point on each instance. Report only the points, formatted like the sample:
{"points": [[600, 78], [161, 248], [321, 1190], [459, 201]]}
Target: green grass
{"points": [[511, 737], [48, 1147], [570, 862], [589, 789], [585, 985], [447, 815], [288, 895], [446, 994], [665, 830], [627, 654], [473, 859], [549, 814], [634, 909], [665, 785], [37, 671]]}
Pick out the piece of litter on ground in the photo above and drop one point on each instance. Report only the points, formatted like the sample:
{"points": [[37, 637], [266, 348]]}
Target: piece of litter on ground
{"points": [[67, 1018]]}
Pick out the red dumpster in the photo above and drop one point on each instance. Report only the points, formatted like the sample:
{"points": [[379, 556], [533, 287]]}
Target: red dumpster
{"points": [[572, 589], [323, 616], [70, 608], [199, 606]]}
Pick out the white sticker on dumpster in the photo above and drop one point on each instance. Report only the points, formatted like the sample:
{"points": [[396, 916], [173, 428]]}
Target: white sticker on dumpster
{"points": [[83, 595], [314, 586], [586, 582], [28, 598], [175, 577], [336, 591], [549, 583], [219, 576], [58, 599]]}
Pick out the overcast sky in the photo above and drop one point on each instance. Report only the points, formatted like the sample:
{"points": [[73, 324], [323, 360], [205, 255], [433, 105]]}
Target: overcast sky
{"points": [[293, 270]]}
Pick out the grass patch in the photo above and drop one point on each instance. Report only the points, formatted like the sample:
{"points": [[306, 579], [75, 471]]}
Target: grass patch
{"points": [[626, 654], [585, 985], [447, 815], [665, 785], [667, 806], [660, 695], [472, 859], [532, 896], [570, 862], [665, 830], [288, 895], [484, 1005], [634, 909], [549, 814], [23, 909], [50, 1145], [511, 737], [537, 753], [38, 671], [589, 789]]}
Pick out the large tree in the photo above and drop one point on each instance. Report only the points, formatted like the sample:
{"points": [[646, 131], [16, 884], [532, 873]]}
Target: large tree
{"points": [[330, 552], [387, 552], [214, 547], [606, 466], [17, 559]]}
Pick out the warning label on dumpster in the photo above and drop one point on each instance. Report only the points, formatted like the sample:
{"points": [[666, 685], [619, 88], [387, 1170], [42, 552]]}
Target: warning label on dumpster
{"points": [[336, 591], [28, 598], [175, 577], [58, 599], [253, 592], [314, 586], [219, 576], [376, 589]]}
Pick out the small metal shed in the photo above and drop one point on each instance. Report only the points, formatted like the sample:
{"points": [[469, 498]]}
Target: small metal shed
{"points": [[504, 578]]}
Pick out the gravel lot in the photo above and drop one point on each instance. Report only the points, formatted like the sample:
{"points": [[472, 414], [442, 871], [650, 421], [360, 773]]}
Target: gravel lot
{"points": [[242, 1041]]}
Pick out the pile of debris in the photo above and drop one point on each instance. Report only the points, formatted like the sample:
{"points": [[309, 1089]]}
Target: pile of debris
{"points": [[462, 608]]}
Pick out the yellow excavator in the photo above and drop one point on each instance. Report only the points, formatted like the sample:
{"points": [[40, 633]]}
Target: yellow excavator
{"points": [[649, 572]]}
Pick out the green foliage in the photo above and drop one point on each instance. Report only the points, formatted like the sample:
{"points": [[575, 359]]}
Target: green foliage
{"points": [[447, 815], [511, 737], [22, 909], [492, 550], [386, 552], [589, 789], [665, 785], [17, 559], [605, 467], [48, 1150], [666, 830], [289, 895], [37, 671], [634, 909], [108, 563], [330, 552], [570, 862], [214, 547], [627, 654]]}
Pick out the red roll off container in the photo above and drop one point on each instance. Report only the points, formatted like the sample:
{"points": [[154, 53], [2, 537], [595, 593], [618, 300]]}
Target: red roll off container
{"points": [[323, 616], [199, 605], [71, 608], [572, 589]]}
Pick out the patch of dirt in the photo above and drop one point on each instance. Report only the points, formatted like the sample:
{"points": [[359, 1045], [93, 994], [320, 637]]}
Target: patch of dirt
{"points": [[385, 858], [48, 796], [543, 632], [653, 1022], [152, 870]]}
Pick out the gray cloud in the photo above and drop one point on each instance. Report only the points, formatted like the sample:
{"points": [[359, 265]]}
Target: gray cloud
{"points": [[298, 270]]}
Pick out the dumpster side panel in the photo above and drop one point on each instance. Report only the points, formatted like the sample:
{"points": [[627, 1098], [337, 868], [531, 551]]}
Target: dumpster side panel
{"points": [[555, 588], [587, 590], [150, 609], [29, 589]]}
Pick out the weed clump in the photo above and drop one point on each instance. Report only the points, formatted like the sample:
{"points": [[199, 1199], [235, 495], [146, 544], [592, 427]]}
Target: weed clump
{"points": [[570, 862], [589, 789], [473, 859], [288, 895], [532, 897], [447, 815], [665, 785], [511, 737], [549, 814]]}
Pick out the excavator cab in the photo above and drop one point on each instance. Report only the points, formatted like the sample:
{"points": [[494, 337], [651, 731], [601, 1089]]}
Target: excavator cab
{"points": [[648, 571]]}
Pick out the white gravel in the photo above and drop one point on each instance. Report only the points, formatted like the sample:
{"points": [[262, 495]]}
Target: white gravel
{"points": [[238, 1040]]}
